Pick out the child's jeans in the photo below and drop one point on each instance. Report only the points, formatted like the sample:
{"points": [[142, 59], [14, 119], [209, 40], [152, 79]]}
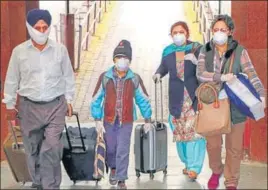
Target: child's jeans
{"points": [[117, 140]]}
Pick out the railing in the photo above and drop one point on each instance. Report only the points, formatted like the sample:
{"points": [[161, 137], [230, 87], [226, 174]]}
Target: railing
{"points": [[88, 25], [204, 16], [86, 19]]}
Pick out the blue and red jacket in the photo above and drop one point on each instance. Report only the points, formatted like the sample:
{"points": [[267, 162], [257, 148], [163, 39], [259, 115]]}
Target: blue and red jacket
{"points": [[103, 105]]}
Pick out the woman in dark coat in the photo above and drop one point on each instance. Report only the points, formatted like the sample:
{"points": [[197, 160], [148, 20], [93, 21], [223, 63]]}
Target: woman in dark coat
{"points": [[179, 60]]}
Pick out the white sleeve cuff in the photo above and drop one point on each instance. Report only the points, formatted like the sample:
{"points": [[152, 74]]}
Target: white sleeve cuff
{"points": [[10, 106]]}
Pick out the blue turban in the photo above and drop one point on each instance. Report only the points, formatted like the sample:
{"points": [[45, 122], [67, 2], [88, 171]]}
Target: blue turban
{"points": [[35, 15]]}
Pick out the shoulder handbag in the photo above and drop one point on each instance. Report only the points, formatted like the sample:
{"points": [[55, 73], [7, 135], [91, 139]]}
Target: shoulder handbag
{"points": [[214, 118]]}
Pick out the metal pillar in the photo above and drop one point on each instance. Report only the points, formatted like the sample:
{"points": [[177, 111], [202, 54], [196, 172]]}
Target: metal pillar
{"points": [[69, 36], [67, 28], [219, 7], [67, 5]]}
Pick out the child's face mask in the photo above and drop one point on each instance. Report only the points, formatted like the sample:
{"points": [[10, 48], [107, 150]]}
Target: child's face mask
{"points": [[122, 64]]}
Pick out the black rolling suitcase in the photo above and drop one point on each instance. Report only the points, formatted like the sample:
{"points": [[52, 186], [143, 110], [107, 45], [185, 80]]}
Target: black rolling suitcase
{"points": [[79, 152]]}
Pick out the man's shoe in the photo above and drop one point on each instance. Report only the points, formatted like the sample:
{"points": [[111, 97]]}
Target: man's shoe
{"points": [[121, 185], [35, 185], [112, 179], [214, 181]]}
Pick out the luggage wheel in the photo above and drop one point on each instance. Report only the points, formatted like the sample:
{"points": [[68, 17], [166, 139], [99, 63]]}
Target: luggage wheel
{"points": [[97, 182], [138, 174], [165, 172], [74, 182], [151, 176]]}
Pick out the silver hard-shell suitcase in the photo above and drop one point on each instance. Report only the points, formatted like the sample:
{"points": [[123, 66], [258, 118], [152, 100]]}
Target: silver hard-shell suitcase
{"points": [[151, 149]]}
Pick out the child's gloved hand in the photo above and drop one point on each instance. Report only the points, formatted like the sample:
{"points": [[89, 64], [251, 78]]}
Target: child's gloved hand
{"points": [[147, 127], [99, 127]]}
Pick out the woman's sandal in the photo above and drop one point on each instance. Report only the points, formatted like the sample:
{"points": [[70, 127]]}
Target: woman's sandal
{"points": [[184, 171], [192, 175]]}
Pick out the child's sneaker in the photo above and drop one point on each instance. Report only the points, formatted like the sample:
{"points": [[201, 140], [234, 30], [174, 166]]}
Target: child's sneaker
{"points": [[121, 185], [112, 179]]}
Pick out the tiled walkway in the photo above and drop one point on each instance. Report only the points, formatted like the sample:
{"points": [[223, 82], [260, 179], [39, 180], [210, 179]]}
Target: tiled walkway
{"points": [[253, 176]]}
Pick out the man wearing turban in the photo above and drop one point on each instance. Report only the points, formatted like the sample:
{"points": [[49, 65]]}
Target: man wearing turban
{"points": [[40, 72]]}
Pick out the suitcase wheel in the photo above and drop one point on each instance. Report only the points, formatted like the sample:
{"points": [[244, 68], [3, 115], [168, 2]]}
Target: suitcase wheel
{"points": [[97, 182], [138, 174], [165, 172], [151, 176], [74, 182]]}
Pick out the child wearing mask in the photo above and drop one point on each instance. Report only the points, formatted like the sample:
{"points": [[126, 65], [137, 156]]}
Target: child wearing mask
{"points": [[113, 101]]}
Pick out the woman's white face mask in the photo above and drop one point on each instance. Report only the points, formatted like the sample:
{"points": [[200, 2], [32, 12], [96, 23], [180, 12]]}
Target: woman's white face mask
{"points": [[179, 39], [39, 37], [220, 38]]}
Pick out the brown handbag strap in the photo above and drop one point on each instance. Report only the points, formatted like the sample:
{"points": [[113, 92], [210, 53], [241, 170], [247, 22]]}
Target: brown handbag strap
{"points": [[195, 48], [209, 86], [231, 63]]}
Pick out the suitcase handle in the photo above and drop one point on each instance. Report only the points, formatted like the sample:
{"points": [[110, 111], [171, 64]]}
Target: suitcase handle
{"points": [[160, 127], [161, 101], [13, 133], [80, 133]]}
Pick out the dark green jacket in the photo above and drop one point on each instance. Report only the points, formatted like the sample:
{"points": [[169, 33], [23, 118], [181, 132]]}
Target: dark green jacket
{"points": [[233, 47]]}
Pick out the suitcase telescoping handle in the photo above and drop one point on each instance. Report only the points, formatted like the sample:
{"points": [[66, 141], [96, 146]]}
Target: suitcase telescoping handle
{"points": [[11, 126], [161, 101], [80, 133]]}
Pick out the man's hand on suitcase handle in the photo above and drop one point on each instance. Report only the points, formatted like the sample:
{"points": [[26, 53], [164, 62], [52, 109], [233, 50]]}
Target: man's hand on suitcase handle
{"points": [[12, 114], [70, 110], [99, 127]]}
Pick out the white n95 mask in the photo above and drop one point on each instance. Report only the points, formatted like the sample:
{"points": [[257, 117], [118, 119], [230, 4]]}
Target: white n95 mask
{"points": [[179, 39], [122, 64]]}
